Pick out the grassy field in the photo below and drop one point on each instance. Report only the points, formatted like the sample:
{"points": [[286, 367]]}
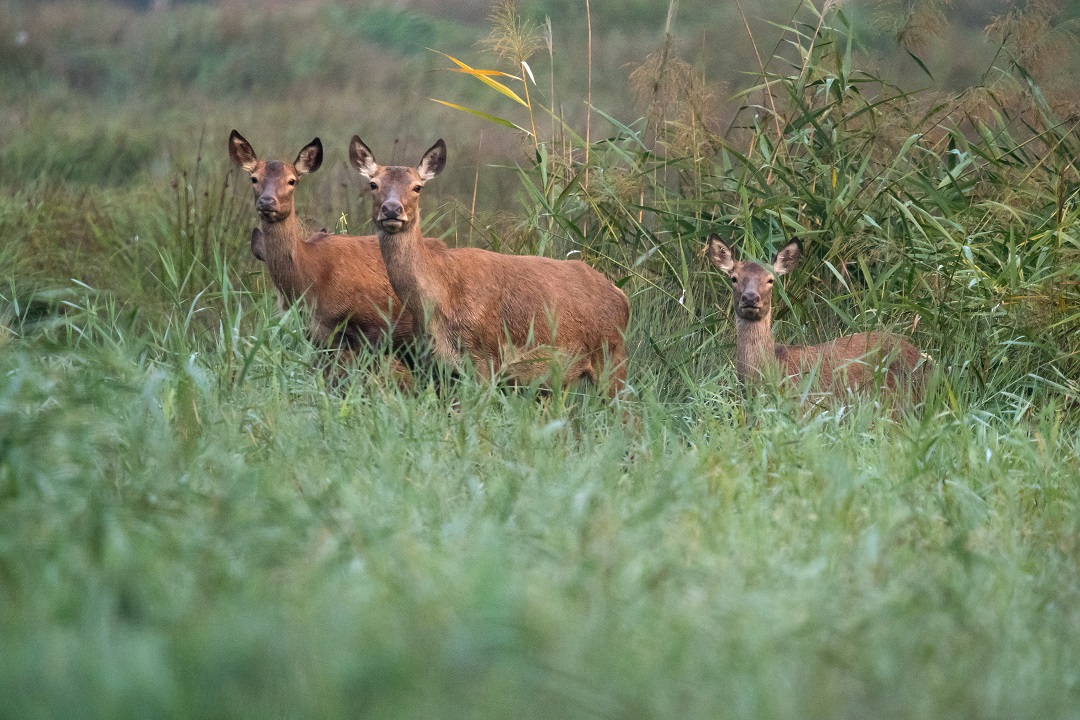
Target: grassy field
{"points": [[193, 525]]}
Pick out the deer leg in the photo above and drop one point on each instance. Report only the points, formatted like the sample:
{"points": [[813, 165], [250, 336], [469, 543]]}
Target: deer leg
{"points": [[528, 366], [615, 366], [401, 374], [538, 362], [582, 369], [444, 348], [332, 358]]}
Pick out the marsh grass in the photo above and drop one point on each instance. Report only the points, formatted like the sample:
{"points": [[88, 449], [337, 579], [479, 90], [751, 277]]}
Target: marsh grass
{"points": [[192, 524], [237, 550], [948, 218]]}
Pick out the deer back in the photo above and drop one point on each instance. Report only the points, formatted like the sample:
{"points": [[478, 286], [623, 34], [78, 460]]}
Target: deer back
{"points": [[529, 301], [860, 360]]}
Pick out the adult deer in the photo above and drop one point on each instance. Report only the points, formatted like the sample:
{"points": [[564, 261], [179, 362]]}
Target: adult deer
{"points": [[853, 361], [510, 314], [343, 277]]}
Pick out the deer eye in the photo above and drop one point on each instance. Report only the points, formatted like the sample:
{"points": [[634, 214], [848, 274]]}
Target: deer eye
{"points": [[374, 185], [417, 188], [292, 181], [769, 281], [254, 179], [734, 279]]}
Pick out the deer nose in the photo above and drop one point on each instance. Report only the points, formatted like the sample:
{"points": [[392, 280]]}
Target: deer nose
{"points": [[750, 298], [266, 202], [391, 210]]}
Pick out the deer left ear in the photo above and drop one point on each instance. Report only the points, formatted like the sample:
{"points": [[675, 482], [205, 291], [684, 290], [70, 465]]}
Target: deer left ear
{"points": [[787, 258], [309, 159], [433, 162]]}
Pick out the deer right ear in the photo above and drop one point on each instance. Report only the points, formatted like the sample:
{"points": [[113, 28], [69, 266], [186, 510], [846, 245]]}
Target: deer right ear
{"points": [[720, 255], [787, 257], [310, 158], [362, 158], [241, 152], [433, 162]]}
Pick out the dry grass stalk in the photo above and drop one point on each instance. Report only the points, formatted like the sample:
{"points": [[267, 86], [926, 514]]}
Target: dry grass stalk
{"points": [[914, 23], [516, 39], [679, 104]]}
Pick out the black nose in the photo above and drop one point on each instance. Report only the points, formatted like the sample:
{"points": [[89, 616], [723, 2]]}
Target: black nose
{"points": [[266, 202], [750, 298], [391, 210]]}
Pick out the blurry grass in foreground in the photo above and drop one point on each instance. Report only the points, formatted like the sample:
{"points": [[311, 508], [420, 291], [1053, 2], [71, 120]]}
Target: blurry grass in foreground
{"points": [[176, 545]]}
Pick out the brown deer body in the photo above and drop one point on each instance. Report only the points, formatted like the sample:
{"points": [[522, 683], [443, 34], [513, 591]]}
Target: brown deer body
{"points": [[509, 314], [862, 360], [343, 277]]}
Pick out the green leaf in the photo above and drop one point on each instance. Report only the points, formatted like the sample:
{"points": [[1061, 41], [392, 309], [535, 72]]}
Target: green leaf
{"points": [[920, 64]]}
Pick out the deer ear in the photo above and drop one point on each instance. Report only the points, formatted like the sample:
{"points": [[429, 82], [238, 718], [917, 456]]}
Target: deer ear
{"points": [[241, 152], [720, 255], [310, 158], [258, 244], [787, 257], [362, 158], [433, 162]]}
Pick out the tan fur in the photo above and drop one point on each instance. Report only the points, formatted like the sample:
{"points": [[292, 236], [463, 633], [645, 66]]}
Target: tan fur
{"points": [[342, 277], [862, 360], [514, 315]]}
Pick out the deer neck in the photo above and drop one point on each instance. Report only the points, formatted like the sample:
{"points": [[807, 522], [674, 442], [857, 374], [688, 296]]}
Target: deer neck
{"points": [[755, 349], [411, 270], [281, 238]]}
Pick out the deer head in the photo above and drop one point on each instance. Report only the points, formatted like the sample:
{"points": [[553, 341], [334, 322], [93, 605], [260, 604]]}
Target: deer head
{"points": [[395, 190], [273, 181], [752, 282]]}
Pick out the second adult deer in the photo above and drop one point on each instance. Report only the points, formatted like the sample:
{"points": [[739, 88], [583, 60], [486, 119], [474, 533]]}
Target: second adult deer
{"points": [[343, 277], [510, 314], [853, 361]]}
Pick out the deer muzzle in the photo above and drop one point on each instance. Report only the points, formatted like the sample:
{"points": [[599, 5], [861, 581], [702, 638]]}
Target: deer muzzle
{"points": [[750, 306], [267, 206], [392, 216]]}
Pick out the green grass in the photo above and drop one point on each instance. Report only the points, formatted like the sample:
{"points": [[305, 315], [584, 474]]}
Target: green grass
{"points": [[193, 525], [177, 547]]}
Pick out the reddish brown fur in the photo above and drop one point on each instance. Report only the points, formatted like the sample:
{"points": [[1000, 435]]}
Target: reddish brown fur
{"points": [[509, 314], [854, 361], [342, 276]]}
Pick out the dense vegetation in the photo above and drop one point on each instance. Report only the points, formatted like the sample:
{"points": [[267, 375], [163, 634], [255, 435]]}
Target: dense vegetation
{"points": [[193, 525]]}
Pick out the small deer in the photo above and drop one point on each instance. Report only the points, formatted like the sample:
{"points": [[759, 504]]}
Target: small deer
{"points": [[343, 277], [853, 361], [509, 314]]}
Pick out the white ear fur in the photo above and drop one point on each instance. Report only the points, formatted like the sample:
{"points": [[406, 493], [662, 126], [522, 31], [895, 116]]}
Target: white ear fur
{"points": [[433, 162], [241, 152], [362, 158], [787, 258], [720, 255], [309, 159]]}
